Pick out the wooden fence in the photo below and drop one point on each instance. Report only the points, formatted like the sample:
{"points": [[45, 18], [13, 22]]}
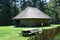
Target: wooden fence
{"points": [[46, 34]]}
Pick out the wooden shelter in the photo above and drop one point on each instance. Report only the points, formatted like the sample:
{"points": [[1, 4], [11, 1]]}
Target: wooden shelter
{"points": [[31, 17]]}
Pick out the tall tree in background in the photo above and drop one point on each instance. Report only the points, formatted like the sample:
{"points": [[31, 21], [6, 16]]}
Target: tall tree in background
{"points": [[23, 5], [1, 12], [41, 4], [15, 9], [34, 3], [6, 12], [55, 9]]}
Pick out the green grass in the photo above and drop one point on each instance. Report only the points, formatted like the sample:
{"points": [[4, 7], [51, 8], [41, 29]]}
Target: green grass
{"points": [[57, 37], [11, 33]]}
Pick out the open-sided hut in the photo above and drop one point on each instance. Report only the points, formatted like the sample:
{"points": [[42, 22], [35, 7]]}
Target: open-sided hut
{"points": [[31, 17]]}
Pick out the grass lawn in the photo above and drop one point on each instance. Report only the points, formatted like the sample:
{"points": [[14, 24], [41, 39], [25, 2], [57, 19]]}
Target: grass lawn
{"points": [[11, 33], [57, 36]]}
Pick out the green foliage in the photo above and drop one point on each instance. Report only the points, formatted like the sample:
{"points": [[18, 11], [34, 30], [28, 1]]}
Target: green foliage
{"points": [[7, 12], [57, 37], [53, 11], [33, 3]]}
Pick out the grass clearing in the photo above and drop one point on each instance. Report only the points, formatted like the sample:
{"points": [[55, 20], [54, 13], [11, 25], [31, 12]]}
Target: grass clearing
{"points": [[11, 33]]}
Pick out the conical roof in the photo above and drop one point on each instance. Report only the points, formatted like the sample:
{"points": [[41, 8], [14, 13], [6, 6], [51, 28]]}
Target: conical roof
{"points": [[31, 12]]}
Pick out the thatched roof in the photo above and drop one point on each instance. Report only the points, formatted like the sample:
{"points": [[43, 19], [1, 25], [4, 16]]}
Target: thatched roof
{"points": [[31, 12]]}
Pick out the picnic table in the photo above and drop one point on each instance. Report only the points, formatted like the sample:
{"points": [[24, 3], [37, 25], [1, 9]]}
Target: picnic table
{"points": [[30, 31]]}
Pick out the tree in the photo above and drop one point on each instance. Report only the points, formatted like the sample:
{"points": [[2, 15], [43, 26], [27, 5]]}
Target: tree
{"points": [[6, 12], [1, 11], [54, 11], [33, 3], [15, 9]]}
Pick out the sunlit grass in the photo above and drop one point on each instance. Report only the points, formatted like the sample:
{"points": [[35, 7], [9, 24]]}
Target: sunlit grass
{"points": [[10, 33]]}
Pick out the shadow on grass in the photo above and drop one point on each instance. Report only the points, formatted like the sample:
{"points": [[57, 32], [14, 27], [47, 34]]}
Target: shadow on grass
{"points": [[29, 35], [30, 27]]}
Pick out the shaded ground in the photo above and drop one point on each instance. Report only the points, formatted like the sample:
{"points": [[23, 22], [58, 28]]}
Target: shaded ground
{"points": [[11, 33], [57, 37]]}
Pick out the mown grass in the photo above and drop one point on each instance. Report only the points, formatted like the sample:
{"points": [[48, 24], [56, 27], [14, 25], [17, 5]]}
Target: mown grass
{"points": [[12, 33]]}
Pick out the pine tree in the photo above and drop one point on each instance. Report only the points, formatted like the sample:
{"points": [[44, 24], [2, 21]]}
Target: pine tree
{"points": [[6, 12]]}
